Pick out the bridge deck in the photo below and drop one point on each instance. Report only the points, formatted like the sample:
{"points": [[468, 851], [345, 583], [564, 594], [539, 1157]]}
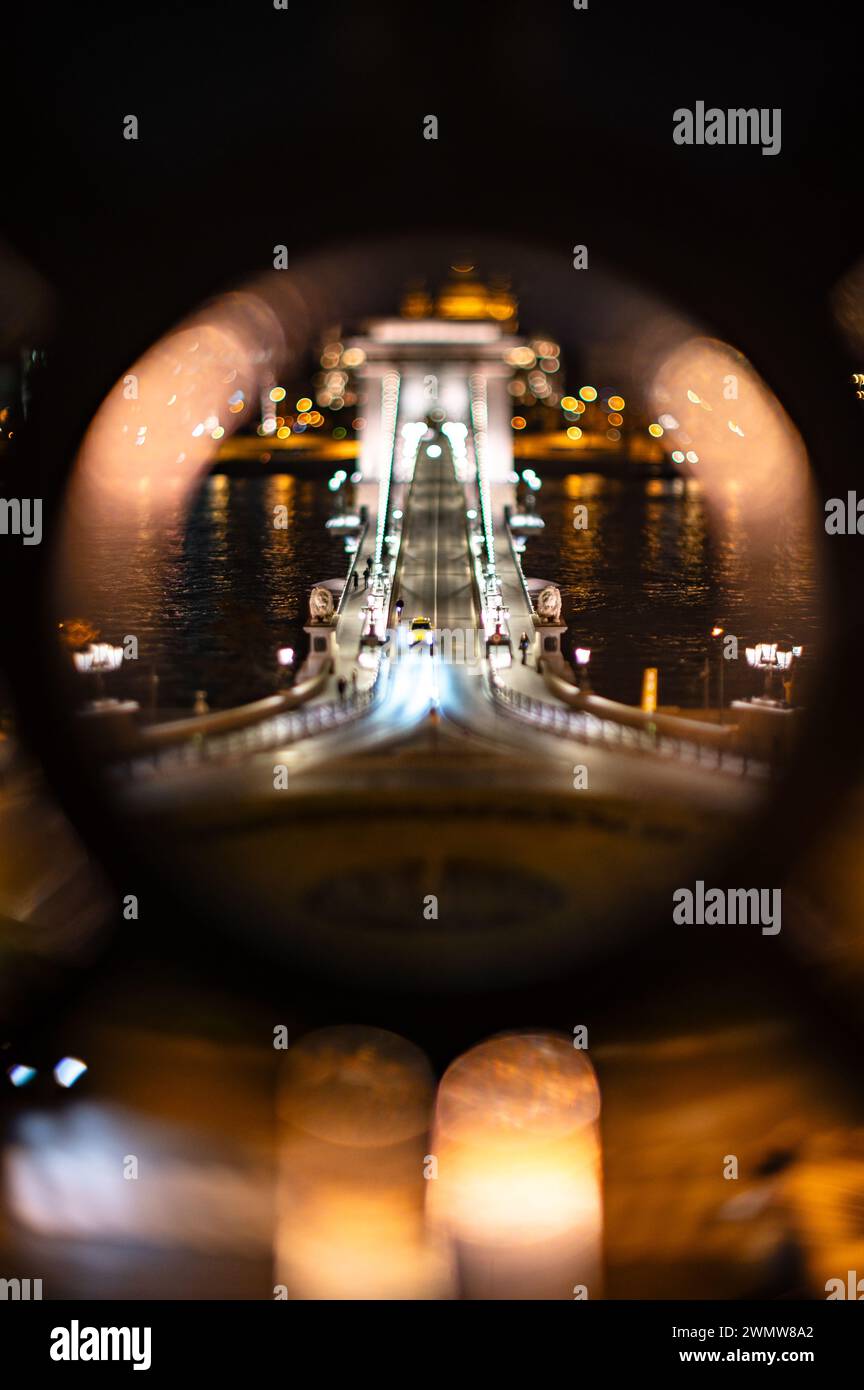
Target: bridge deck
{"points": [[435, 570]]}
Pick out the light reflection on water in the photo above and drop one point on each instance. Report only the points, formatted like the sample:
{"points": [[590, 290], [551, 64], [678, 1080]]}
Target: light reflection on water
{"points": [[647, 580], [211, 598]]}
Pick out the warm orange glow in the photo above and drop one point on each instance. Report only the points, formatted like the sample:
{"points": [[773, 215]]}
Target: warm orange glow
{"points": [[354, 1110], [518, 422], [517, 1143], [520, 357], [649, 689], [155, 429], [701, 384], [417, 304]]}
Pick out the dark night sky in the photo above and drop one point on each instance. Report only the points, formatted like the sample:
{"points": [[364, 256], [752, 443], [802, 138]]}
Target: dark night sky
{"points": [[259, 127]]}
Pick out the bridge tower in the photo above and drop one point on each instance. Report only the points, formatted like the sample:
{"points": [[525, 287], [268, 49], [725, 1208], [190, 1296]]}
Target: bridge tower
{"points": [[439, 351]]}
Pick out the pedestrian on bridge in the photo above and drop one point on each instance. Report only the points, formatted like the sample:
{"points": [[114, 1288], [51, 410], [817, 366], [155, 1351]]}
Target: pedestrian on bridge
{"points": [[367, 572], [356, 577], [400, 604], [342, 686], [524, 644]]}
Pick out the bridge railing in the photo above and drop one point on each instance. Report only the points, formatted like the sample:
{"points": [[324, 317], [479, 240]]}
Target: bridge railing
{"points": [[290, 727], [591, 728], [517, 559], [361, 541]]}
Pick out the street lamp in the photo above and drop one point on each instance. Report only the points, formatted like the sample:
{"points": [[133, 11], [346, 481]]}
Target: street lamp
{"points": [[498, 648], [582, 655], [763, 657], [97, 659], [285, 658], [785, 661], [106, 657], [766, 657], [718, 632], [370, 613]]}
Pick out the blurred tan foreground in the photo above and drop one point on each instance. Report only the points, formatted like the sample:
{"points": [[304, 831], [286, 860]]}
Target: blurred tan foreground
{"points": [[307, 1172], [195, 1159]]}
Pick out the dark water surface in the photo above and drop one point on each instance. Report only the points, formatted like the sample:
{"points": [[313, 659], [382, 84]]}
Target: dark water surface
{"points": [[212, 600], [649, 578]]}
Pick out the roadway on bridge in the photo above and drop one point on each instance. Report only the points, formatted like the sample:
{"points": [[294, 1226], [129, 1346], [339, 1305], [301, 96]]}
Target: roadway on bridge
{"points": [[434, 579], [434, 576]]}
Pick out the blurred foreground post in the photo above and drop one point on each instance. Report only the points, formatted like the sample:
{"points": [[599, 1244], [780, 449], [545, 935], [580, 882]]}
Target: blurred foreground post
{"points": [[519, 1187]]}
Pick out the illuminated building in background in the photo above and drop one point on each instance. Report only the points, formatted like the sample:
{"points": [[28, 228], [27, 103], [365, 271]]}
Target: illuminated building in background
{"points": [[537, 387], [465, 298], [465, 333]]}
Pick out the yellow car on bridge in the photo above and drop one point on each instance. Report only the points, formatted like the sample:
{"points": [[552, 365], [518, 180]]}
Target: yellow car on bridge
{"points": [[421, 631]]}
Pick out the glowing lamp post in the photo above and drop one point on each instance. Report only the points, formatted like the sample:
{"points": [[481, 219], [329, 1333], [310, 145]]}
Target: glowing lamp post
{"points": [[715, 633], [371, 614], [97, 659], [498, 648], [785, 662], [518, 1191], [766, 657], [582, 655], [285, 658], [762, 657]]}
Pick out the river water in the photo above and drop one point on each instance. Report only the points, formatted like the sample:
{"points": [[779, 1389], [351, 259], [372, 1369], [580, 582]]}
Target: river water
{"points": [[210, 601], [653, 572]]}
